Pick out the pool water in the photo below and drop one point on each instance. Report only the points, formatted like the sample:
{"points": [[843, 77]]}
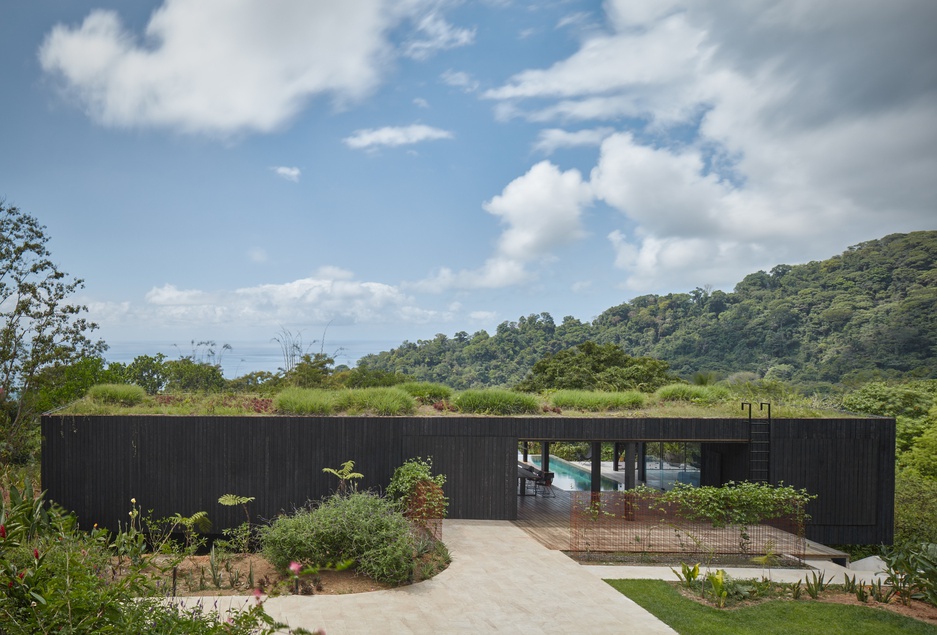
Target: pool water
{"points": [[570, 479]]}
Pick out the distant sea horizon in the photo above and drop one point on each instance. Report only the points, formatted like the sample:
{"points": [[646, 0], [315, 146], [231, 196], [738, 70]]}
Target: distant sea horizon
{"points": [[245, 356]]}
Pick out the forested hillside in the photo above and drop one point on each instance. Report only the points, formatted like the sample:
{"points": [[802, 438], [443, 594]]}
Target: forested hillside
{"points": [[868, 313]]}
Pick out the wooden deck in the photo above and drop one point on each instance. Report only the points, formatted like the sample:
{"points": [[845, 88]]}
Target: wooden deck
{"points": [[547, 520]]}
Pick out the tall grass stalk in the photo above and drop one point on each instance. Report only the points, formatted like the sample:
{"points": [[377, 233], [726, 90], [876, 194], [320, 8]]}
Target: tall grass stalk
{"points": [[597, 401], [381, 401], [120, 394], [695, 394], [494, 401], [305, 401]]}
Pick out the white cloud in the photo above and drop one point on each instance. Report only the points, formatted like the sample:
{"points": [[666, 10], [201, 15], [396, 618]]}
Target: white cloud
{"points": [[257, 254], [483, 316], [542, 210], [290, 174], [573, 19], [460, 79], [330, 295], [552, 139], [436, 34], [221, 68], [395, 136], [419, 102], [760, 132]]}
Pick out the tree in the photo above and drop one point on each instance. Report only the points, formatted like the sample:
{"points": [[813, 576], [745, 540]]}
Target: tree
{"points": [[592, 366], [312, 371], [39, 329]]}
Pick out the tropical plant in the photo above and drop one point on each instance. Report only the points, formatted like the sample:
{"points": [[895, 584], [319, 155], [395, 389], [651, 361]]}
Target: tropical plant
{"points": [[346, 476], [57, 578], [238, 538]]}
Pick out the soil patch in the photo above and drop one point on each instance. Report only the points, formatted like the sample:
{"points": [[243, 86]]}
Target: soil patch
{"points": [[241, 574], [667, 559]]}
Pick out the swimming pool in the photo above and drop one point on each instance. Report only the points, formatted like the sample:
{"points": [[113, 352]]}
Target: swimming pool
{"points": [[570, 479]]}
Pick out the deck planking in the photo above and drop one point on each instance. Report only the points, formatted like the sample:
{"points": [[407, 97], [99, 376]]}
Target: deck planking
{"points": [[547, 520]]}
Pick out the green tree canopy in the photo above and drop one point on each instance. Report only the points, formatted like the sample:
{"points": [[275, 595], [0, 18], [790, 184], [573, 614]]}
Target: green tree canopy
{"points": [[39, 329], [592, 366]]}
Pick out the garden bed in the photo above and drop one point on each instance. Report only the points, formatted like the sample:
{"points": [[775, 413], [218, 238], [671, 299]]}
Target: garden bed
{"points": [[194, 578], [917, 609]]}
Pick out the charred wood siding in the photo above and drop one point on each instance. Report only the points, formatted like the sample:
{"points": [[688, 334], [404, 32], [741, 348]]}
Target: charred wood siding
{"points": [[850, 465], [94, 465]]}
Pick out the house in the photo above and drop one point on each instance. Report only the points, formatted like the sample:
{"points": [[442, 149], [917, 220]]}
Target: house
{"points": [[94, 465]]}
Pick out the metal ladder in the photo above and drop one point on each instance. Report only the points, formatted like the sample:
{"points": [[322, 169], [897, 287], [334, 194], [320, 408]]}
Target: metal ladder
{"points": [[759, 445]]}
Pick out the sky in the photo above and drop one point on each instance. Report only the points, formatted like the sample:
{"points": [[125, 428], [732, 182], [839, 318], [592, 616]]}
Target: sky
{"points": [[365, 172]]}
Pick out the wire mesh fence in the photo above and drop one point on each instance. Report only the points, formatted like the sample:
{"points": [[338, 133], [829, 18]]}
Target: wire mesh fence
{"points": [[625, 522]]}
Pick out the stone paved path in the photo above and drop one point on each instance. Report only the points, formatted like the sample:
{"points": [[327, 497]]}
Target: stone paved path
{"points": [[500, 581]]}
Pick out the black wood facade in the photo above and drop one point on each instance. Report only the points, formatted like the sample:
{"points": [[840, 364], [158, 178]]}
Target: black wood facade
{"points": [[94, 465]]}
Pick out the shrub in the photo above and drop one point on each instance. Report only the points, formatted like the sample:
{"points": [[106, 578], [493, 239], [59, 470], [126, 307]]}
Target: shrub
{"points": [[381, 401], [361, 526], [692, 393], [427, 392], [121, 394], [495, 401], [56, 578], [915, 509], [742, 503], [877, 398], [305, 401], [415, 490], [597, 401]]}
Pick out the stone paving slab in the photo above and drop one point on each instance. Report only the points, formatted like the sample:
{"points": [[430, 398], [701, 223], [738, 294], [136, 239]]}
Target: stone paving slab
{"points": [[500, 581]]}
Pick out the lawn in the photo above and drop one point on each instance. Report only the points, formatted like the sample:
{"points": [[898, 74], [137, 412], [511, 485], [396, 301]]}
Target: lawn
{"points": [[784, 617]]}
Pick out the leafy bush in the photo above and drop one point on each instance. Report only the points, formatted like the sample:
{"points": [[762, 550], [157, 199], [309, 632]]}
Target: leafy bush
{"points": [[912, 572], [494, 401], [416, 492], [877, 398], [742, 503], [55, 578], [427, 392], [692, 393], [915, 509], [597, 401], [381, 401], [361, 526], [120, 394], [305, 401]]}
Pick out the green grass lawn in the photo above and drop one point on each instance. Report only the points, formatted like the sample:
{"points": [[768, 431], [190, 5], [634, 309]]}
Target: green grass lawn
{"points": [[784, 617]]}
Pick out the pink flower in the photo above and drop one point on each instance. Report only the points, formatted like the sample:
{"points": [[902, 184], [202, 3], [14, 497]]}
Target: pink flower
{"points": [[3, 531], [36, 554], [295, 567]]}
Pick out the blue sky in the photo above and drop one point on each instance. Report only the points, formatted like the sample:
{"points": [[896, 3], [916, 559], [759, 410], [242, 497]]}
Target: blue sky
{"points": [[392, 170]]}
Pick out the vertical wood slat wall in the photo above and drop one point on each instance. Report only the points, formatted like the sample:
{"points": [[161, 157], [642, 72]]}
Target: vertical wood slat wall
{"points": [[94, 465]]}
